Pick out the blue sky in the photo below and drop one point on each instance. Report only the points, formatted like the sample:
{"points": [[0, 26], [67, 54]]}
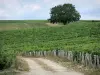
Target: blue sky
{"points": [[40, 9]]}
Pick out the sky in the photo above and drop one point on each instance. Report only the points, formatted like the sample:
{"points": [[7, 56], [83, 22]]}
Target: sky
{"points": [[40, 9]]}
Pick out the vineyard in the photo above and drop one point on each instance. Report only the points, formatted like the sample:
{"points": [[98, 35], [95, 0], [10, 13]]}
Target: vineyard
{"points": [[77, 36], [21, 24]]}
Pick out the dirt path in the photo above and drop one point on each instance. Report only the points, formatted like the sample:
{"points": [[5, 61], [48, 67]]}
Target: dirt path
{"points": [[27, 26], [53, 25], [53, 64], [37, 69]]}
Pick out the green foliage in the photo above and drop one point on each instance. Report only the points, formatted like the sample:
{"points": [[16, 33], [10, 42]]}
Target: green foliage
{"points": [[21, 24], [65, 13], [77, 36]]}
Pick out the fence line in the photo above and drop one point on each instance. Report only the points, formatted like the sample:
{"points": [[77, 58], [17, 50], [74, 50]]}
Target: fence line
{"points": [[85, 59]]}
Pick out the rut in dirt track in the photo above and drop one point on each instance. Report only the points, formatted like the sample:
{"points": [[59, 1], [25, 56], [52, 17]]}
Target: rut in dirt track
{"points": [[36, 67]]}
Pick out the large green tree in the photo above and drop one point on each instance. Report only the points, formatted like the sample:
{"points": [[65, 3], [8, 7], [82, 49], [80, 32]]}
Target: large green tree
{"points": [[65, 13]]}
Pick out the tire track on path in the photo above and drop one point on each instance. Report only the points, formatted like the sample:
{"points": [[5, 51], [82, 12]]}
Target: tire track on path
{"points": [[36, 68]]}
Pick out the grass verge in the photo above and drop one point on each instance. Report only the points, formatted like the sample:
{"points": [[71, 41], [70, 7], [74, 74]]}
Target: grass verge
{"points": [[21, 64]]}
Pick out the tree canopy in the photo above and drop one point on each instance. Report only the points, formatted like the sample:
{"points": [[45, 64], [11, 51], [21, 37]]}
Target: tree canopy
{"points": [[65, 13]]}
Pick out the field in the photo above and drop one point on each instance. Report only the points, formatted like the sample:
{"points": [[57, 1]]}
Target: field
{"points": [[20, 36], [24, 24]]}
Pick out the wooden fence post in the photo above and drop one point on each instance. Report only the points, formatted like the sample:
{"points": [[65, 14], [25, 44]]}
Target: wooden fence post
{"points": [[66, 54], [98, 61], [83, 58], [90, 60], [95, 61]]}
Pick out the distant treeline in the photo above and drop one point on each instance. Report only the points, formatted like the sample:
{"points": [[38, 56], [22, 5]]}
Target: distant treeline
{"points": [[90, 20], [20, 21], [24, 21], [12, 21]]}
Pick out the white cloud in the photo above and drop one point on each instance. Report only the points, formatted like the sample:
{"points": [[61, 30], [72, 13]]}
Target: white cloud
{"points": [[89, 17], [46, 1], [14, 8], [19, 8], [28, 8], [4, 15], [11, 4], [32, 7], [10, 8]]}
